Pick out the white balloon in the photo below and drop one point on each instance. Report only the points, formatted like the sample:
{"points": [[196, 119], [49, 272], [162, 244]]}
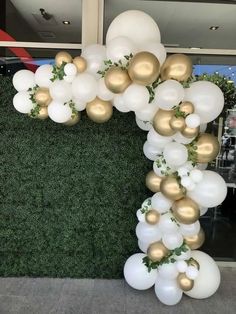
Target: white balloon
{"points": [[79, 105], [167, 224], [169, 94], [146, 205], [168, 271], [84, 87], [157, 49], [202, 166], [70, 69], [210, 191], [143, 125], [196, 175], [184, 255], [183, 171], [148, 233], [143, 246], [203, 127], [181, 266], [60, 91], [175, 154], [168, 291], [192, 272], [136, 97], [192, 120], [179, 138], [140, 215], [43, 75], [95, 55], [103, 92], [186, 181], [160, 203], [208, 279], [147, 113], [23, 80], [191, 229], [203, 210], [158, 140], [136, 25], [150, 151], [22, 102], [172, 240], [59, 112], [207, 98], [69, 78], [119, 47], [119, 103]]}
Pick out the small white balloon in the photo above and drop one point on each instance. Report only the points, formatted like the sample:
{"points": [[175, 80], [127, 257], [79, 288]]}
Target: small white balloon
{"points": [[157, 49], [119, 47], [69, 78], [167, 223], [172, 240], [59, 112], [183, 171], [168, 271], [143, 246], [119, 103], [202, 166], [160, 203], [147, 113], [23, 80], [103, 92], [175, 154], [143, 125], [179, 138], [43, 75], [136, 97], [79, 105], [191, 229], [148, 233], [140, 215], [158, 140], [169, 94], [196, 175], [150, 151], [70, 69], [191, 186], [22, 102], [192, 120], [186, 181], [181, 266], [192, 272], [168, 291], [60, 91], [84, 87], [95, 55]]}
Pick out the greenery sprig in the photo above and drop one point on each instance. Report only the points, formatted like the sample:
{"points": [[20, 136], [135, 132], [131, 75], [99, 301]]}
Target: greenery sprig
{"points": [[160, 162], [145, 208], [179, 113], [123, 64], [35, 111], [72, 106], [151, 89], [58, 72], [192, 151]]}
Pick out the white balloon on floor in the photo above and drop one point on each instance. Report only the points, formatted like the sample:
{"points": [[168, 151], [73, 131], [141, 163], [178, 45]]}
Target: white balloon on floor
{"points": [[168, 291]]}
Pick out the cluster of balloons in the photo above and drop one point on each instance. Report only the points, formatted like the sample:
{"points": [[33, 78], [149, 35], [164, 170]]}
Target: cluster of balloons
{"points": [[132, 73]]}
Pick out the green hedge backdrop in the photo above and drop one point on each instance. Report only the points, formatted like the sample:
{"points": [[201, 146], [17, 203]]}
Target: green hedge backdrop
{"points": [[68, 195]]}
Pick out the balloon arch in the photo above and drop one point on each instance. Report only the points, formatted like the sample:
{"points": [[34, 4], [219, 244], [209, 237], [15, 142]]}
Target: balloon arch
{"points": [[132, 73]]}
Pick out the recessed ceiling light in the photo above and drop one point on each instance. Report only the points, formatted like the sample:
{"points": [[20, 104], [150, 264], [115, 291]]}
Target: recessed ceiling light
{"points": [[232, 74], [230, 68], [66, 22], [214, 28]]}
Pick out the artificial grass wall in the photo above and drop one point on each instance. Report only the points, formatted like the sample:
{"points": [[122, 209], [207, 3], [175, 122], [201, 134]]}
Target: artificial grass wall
{"points": [[68, 196]]}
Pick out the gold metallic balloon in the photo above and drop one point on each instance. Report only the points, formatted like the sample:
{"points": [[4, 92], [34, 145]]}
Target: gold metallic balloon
{"points": [[184, 282], [80, 63], [161, 122], [99, 110], [177, 124], [153, 181], [194, 263], [177, 67], [61, 57], [207, 148], [144, 68], [196, 241], [190, 132], [152, 217], [186, 107], [171, 188], [74, 120], [42, 96], [117, 80], [43, 113], [186, 211], [156, 251]]}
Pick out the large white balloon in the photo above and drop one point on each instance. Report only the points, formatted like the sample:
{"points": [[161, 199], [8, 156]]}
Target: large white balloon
{"points": [[59, 112], [172, 240], [84, 87], [143, 125], [157, 49], [169, 94], [43, 75], [61, 91], [207, 98], [208, 279], [210, 191], [95, 55], [148, 233], [168, 291], [23, 80], [175, 154], [22, 102], [167, 223], [103, 92], [136, 97], [191, 229], [150, 151], [168, 271], [136, 25], [160, 203], [147, 113], [136, 273], [158, 140], [119, 47]]}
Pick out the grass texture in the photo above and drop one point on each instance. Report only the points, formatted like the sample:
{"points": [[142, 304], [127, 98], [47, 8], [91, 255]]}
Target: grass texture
{"points": [[68, 195]]}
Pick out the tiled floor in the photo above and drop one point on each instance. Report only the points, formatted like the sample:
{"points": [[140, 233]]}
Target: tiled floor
{"points": [[88, 296]]}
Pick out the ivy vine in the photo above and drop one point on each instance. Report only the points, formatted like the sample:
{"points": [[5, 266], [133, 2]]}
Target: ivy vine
{"points": [[58, 72]]}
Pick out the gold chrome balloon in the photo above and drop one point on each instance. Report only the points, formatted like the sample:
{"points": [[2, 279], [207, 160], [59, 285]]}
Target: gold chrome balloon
{"points": [[42, 96], [152, 217], [99, 110], [186, 211], [117, 80], [177, 124], [144, 68], [74, 120], [194, 263], [161, 122], [196, 241], [80, 63], [61, 57], [190, 132], [171, 188], [177, 67], [43, 113], [156, 251], [153, 181], [186, 107], [184, 282], [207, 148]]}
